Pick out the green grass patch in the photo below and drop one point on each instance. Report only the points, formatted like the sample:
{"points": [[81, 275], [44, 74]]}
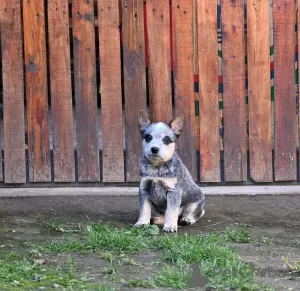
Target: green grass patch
{"points": [[17, 273], [238, 235], [173, 277], [293, 267], [217, 259], [104, 237]]}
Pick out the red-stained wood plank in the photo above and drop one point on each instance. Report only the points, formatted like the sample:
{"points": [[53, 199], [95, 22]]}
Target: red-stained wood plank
{"points": [[196, 121], [260, 131], [85, 91], [158, 28], [284, 85], [134, 81], [233, 57], [61, 91], [183, 72], [36, 91], [208, 94], [111, 91], [13, 92]]}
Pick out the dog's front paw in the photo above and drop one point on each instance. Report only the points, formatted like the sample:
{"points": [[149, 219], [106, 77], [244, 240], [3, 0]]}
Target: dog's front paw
{"points": [[141, 223], [170, 228]]}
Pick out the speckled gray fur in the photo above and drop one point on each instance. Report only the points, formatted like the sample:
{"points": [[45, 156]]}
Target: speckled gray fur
{"points": [[166, 186]]}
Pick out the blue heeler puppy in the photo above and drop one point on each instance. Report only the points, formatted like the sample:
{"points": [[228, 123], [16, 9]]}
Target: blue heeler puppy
{"points": [[166, 186]]}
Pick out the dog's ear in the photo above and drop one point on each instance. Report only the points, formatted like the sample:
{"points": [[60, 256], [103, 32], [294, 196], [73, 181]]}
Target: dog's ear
{"points": [[177, 124], [144, 120]]}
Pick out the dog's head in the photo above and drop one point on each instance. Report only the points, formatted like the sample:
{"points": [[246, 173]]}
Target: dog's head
{"points": [[159, 138]]}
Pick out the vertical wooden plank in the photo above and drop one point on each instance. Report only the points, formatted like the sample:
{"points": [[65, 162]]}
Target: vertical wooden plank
{"points": [[298, 46], [233, 55], [196, 121], [111, 91], [85, 90], [208, 91], [1, 109], [13, 92], [134, 81], [285, 100], [259, 91], [61, 91], [160, 91], [36, 91], [182, 18]]}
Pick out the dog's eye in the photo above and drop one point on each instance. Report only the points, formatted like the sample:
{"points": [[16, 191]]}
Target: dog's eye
{"points": [[166, 140], [148, 138]]}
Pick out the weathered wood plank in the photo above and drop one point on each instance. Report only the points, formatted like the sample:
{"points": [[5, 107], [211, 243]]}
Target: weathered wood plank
{"points": [[134, 81], [111, 91], [61, 91], [196, 121], [182, 20], [13, 93], [36, 91], [85, 91], [158, 28], [233, 56], [208, 91], [285, 101], [260, 131]]}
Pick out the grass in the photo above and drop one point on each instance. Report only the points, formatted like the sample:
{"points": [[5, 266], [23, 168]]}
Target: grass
{"points": [[293, 267], [238, 235], [17, 273], [168, 277], [218, 260]]}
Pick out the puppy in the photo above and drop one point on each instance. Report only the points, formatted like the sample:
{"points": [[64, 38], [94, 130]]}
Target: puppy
{"points": [[166, 186]]}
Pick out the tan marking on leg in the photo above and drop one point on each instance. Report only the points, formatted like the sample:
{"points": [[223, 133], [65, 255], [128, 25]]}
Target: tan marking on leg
{"points": [[158, 220]]}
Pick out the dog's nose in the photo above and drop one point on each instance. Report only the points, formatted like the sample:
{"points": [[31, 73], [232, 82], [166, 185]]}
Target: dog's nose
{"points": [[155, 150]]}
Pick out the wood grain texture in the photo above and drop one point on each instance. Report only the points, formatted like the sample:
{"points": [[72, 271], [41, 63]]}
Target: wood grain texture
{"points": [[85, 91], [111, 91], [134, 81], [36, 91], [260, 131], [160, 91], [233, 56], [298, 119], [182, 19], [285, 101], [208, 91], [196, 121], [1, 167], [61, 91], [13, 92]]}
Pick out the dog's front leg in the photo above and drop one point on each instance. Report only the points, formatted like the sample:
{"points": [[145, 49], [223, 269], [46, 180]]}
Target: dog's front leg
{"points": [[145, 208], [173, 208]]}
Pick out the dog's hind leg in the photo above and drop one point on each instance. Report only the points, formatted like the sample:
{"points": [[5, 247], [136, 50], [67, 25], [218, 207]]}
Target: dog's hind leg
{"points": [[158, 220], [192, 212]]}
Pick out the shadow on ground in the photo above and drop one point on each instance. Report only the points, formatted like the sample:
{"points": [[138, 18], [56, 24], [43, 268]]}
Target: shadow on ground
{"points": [[274, 223]]}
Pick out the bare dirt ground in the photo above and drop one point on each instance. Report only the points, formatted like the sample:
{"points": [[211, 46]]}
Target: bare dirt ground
{"points": [[274, 223]]}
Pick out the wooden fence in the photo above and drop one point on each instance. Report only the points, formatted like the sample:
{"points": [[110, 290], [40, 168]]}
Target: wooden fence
{"points": [[75, 75]]}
